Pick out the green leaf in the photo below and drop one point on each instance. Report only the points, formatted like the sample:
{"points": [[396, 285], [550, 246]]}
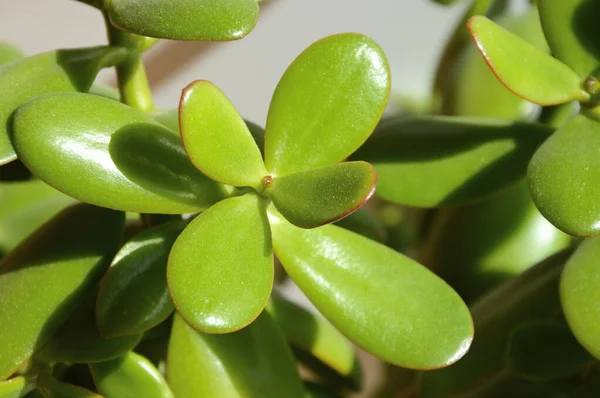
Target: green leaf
{"points": [[43, 279], [364, 223], [571, 29], [525, 70], [363, 288], [543, 350], [497, 239], [326, 104], [220, 270], [130, 376], [61, 70], [216, 137], [52, 388], [185, 19], [106, 92], [435, 161], [9, 53], [106, 153], [252, 362], [563, 177], [532, 296], [133, 295], [579, 293], [323, 195], [13, 388], [315, 336], [78, 340], [24, 207]]}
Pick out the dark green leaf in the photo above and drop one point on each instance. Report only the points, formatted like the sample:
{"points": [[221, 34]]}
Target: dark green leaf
{"points": [[52, 388], [364, 223], [434, 161], [323, 195], [106, 153], [43, 279], [326, 104]]}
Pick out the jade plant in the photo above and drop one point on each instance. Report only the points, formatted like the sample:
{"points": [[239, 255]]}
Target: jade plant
{"points": [[149, 252]]}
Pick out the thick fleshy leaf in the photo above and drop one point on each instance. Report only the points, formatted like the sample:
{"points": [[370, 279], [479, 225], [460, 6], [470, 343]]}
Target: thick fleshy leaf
{"points": [[570, 27], [130, 376], [545, 350], [43, 279], [364, 223], [133, 295], [363, 288], [9, 53], [25, 206], [525, 70], [434, 161], [326, 104], [579, 293], [476, 247], [216, 138], [185, 19], [78, 340], [313, 335], [220, 271], [563, 177], [106, 92], [319, 196], [61, 70], [530, 297], [13, 388], [252, 362], [106, 153], [52, 388]]}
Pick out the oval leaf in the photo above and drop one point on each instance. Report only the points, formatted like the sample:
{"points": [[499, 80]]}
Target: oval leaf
{"points": [[52, 388], [79, 341], [525, 70], [58, 262], [363, 222], [579, 291], [9, 53], [320, 196], [326, 104], [434, 161], [61, 70], [13, 388], [313, 335], [216, 137], [570, 27], [563, 177], [363, 287], [532, 296], [220, 271], [129, 376], [185, 19], [133, 295], [121, 158], [543, 350], [252, 362]]}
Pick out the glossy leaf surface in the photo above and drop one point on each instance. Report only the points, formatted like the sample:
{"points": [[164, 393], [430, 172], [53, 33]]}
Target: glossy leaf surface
{"points": [[383, 302], [133, 295], [363, 222], [13, 388], [106, 153], [25, 206], [130, 376], [61, 70], [476, 247], [570, 27], [525, 70], [9, 53], [252, 362], [43, 279], [319, 196], [52, 388], [312, 333], [563, 176], [220, 271], [216, 138], [326, 104], [579, 291], [185, 19], [543, 351], [434, 161], [79, 341], [530, 297]]}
